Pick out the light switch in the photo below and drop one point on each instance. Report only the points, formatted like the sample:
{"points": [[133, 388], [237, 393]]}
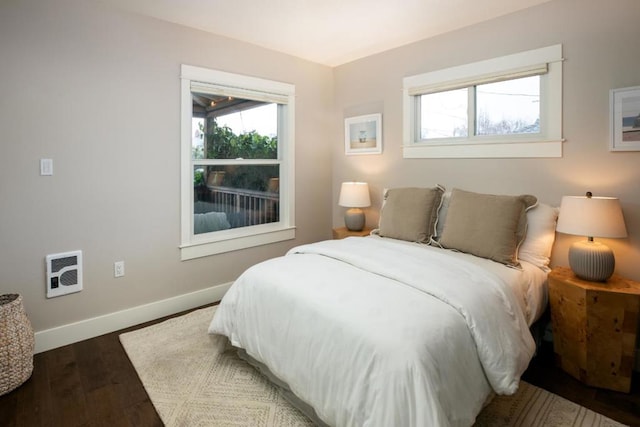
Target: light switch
{"points": [[46, 167]]}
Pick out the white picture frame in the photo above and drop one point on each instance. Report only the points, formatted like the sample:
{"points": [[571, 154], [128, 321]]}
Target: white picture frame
{"points": [[624, 119], [363, 134]]}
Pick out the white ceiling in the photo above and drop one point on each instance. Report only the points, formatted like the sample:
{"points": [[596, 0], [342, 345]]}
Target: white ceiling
{"points": [[330, 32]]}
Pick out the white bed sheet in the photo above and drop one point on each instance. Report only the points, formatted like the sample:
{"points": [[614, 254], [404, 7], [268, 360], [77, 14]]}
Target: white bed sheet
{"points": [[377, 332]]}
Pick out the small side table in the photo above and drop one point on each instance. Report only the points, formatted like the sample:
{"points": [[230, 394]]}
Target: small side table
{"points": [[594, 328], [342, 232]]}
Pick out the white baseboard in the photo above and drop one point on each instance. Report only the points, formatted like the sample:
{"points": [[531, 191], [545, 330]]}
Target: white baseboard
{"points": [[96, 326]]}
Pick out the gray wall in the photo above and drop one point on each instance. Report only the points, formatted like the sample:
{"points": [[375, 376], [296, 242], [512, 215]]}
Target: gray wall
{"points": [[97, 91], [600, 43]]}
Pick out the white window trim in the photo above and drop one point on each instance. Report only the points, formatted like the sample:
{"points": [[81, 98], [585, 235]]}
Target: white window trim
{"points": [[546, 144], [195, 246]]}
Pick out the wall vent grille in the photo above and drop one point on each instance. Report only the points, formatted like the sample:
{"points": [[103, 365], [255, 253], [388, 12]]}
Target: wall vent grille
{"points": [[64, 273]]}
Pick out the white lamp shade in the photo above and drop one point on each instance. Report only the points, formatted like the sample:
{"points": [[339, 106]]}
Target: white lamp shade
{"points": [[354, 195], [591, 216]]}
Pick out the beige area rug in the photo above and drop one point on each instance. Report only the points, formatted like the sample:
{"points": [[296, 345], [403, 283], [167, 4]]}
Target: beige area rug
{"points": [[192, 384]]}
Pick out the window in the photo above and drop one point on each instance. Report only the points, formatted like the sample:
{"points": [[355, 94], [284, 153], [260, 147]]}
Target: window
{"points": [[504, 107], [237, 162]]}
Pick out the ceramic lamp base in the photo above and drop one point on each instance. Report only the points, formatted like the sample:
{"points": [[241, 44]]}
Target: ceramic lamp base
{"points": [[591, 261], [354, 219]]}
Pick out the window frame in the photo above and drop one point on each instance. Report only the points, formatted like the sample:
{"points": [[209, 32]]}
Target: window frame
{"points": [[200, 245], [546, 62]]}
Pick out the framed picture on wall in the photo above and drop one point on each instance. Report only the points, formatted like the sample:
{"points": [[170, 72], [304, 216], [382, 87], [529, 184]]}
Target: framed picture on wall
{"points": [[363, 134], [625, 119]]}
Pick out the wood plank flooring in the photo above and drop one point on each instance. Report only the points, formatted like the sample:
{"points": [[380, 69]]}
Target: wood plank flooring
{"points": [[92, 383], [621, 407], [89, 383]]}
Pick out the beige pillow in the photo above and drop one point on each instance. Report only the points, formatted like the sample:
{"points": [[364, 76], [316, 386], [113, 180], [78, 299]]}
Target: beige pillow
{"points": [[410, 213], [486, 225]]}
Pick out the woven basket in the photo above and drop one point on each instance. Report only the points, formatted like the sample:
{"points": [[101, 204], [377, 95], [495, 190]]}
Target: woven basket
{"points": [[16, 343]]}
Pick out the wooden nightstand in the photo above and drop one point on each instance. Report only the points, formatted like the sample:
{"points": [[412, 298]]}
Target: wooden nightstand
{"points": [[594, 328], [342, 232]]}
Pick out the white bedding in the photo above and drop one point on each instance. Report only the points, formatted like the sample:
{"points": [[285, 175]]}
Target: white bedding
{"points": [[378, 332]]}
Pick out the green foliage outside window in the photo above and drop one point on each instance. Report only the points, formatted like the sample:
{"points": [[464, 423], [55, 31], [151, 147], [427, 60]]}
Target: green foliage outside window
{"points": [[223, 143]]}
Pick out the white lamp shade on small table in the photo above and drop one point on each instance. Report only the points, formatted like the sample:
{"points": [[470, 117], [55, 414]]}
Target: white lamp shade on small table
{"points": [[592, 217], [354, 195]]}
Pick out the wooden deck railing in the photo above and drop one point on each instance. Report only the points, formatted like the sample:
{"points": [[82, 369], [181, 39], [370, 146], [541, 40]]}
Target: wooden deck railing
{"points": [[245, 207]]}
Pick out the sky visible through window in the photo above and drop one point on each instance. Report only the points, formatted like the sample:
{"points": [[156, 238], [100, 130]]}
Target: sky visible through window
{"points": [[262, 119], [444, 114]]}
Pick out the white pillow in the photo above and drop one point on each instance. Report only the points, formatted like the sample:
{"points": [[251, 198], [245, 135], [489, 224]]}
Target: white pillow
{"points": [[541, 233], [442, 213]]}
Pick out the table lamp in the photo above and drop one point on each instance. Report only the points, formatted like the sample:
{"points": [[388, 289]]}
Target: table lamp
{"points": [[592, 217], [354, 195]]}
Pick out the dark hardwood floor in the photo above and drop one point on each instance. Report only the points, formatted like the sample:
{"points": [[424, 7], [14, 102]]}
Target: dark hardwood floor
{"points": [[89, 383], [622, 407], [92, 383]]}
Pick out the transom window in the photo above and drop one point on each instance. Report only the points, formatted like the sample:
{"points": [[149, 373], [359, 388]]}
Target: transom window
{"points": [[509, 107], [237, 162], [503, 107]]}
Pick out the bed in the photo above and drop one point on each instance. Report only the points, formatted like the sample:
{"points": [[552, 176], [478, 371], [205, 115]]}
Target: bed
{"points": [[417, 325]]}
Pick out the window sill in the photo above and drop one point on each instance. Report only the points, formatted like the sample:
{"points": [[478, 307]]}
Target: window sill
{"points": [[199, 250], [484, 150]]}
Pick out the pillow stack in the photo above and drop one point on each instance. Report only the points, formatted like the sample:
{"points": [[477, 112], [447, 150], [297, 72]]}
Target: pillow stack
{"points": [[505, 229]]}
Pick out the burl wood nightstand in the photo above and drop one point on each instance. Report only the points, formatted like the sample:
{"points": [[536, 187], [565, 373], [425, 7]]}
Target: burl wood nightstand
{"points": [[594, 328], [342, 232]]}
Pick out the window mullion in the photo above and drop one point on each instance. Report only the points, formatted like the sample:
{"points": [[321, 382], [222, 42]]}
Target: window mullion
{"points": [[471, 112], [417, 119], [228, 162]]}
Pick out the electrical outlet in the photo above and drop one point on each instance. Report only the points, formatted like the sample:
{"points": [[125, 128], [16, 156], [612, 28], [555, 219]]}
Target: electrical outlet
{"points": [[46, 167], [118, 269]]}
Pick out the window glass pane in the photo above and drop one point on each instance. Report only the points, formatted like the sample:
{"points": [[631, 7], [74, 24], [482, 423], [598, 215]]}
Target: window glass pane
{"points": [[224, 127], [444, 114], [235, 196], [197, 138], [508, 107]]}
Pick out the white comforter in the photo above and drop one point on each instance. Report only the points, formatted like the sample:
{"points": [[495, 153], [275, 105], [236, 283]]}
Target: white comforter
{"points": [[373, 332]]}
